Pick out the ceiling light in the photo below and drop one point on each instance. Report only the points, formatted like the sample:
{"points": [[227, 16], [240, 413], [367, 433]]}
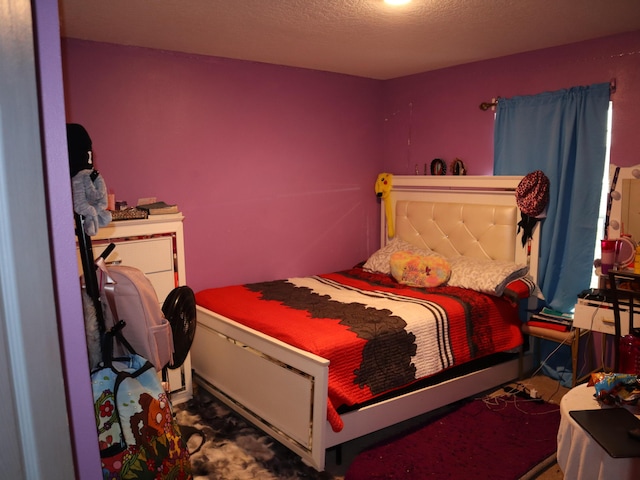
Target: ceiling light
{"points": [[397, 2]]}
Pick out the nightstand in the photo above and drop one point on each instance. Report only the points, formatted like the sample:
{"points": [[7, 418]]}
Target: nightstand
{"points": [[571, 338]]}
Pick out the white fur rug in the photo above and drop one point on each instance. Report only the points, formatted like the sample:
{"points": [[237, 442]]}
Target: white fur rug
{"points": [[234, 449]]}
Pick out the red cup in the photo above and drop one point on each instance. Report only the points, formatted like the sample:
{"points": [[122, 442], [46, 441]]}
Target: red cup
{"points": [[609, 250]]}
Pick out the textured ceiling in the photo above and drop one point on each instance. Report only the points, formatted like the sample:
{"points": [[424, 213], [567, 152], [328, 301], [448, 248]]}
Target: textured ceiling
{"points": [[358, 37]]}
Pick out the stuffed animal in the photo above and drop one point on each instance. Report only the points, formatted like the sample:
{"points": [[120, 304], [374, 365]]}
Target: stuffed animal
{"points": [[383, 191], [87, 185], [419, 270], [90, 200]]}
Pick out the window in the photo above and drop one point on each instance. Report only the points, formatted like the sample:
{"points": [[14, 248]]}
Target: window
{"points": [[604, 197]]}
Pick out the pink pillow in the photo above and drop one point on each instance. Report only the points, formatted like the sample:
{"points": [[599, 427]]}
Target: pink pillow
{"points": [[419, 270]]}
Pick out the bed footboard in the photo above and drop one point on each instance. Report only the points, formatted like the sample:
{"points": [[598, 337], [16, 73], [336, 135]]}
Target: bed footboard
{"points": [[281, 389]]}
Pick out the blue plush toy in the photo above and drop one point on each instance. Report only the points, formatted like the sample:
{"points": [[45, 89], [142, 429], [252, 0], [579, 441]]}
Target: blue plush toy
{"points": [[88, 186]]}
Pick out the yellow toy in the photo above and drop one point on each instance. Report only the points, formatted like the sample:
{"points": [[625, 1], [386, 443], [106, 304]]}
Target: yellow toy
{"points": [[383, 191]]}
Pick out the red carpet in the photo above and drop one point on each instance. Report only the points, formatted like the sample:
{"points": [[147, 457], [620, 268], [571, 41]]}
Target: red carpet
{"points": [[500, 438]]}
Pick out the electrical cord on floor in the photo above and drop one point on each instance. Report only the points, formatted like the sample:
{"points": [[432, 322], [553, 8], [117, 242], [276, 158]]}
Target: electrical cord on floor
{"points": [[524, 392], [560, 344], [523, 395], [519, 389], [559, 382]]}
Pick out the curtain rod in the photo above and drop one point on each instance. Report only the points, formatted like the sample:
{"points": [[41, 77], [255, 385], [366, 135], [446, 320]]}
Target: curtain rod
{"points": [[487, 105], [494, 101]]}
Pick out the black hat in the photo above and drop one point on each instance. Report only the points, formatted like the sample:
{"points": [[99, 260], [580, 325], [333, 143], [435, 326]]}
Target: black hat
{"points": [[79, 145]]}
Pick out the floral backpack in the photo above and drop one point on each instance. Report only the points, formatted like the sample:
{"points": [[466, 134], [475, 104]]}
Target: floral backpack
{"points": [[137, 432]]}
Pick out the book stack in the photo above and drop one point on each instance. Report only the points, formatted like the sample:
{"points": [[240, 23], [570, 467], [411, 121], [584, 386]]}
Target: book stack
{"points": [[552, 319], [158, 208]]}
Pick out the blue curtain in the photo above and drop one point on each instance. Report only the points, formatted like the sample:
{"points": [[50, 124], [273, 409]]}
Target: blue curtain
{"points": [[562, 133]]}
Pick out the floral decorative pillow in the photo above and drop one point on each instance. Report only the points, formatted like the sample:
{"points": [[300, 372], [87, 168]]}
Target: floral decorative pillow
{"points": [[419, 270], [380, 261], [484, 275]]}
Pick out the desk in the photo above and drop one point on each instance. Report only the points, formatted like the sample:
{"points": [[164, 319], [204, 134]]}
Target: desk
{"points": [[579, 455], [599, 317]]}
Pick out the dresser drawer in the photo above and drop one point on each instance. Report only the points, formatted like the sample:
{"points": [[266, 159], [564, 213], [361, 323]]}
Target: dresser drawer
{"points": [[152, 256], [163, 283], [600, 319], [149, 255]]}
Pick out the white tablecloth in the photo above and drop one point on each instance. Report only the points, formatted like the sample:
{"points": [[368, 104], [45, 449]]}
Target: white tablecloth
{"points": [[579, 455]]}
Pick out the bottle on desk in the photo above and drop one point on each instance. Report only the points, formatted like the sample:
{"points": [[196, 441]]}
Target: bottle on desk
{"points": [[629, 355]]}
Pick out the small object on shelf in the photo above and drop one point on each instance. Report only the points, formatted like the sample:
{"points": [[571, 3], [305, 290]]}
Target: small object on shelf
{"points": [[128, 214], [457, 167], [111, 201], [548, 318], [159, 208], [438, 167]]}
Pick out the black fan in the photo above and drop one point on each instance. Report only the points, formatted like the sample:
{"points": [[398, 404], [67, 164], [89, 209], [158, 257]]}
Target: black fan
{"points": [[180, 309]]}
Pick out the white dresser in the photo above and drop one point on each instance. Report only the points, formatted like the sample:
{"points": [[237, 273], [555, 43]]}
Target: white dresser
{"points": [[155, 246]]}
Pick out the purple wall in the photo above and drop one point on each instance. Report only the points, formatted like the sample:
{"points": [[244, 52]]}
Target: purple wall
{"points": [[72, 337], [248, 149], [439, 111]]}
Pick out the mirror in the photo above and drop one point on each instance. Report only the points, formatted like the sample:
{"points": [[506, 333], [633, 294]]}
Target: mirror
{"points": [[625, 204], [630, 203]]}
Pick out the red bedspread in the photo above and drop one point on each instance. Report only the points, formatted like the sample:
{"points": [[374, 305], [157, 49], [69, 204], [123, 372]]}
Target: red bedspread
{"points": [[377, 334]]}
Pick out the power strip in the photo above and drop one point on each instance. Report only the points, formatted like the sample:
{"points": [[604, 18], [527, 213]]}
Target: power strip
{"points": [[522, 392]]}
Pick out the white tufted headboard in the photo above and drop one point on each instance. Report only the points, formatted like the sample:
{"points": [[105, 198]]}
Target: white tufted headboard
{"points": [[472, 216]]}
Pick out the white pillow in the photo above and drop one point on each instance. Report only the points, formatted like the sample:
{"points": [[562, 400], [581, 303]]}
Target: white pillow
{"points": [[380, 261], [484, 275]]}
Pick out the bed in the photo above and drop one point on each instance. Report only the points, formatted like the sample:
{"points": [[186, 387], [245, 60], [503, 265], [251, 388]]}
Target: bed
{"points": [[311, 392]]}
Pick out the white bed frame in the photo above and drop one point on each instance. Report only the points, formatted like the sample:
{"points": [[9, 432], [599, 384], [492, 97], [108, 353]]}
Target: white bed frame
{"points": [[283, 390]]}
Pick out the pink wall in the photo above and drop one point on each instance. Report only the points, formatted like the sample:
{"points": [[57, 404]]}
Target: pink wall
{"points": [[247, 149], [439, 111], [274, 143], [80, 414]]}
